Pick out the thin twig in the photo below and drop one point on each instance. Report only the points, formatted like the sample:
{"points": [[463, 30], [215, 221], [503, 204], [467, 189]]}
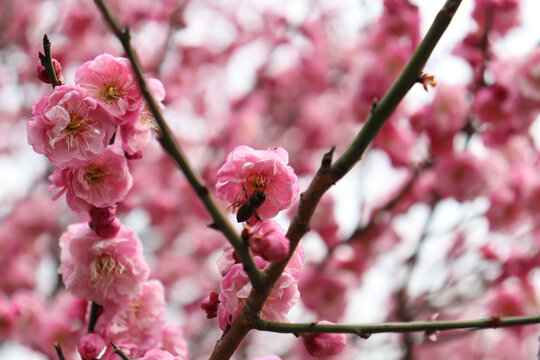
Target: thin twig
{"points": [[59, 352], [46, 61], [119, 352], [364, 330], [170, 145], [94, 314]]}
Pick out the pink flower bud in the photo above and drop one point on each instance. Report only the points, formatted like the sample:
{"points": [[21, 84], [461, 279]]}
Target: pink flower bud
{"points": [[91, 346], [108, 231], [42, 72], [326, 344], [270, 242], [210, 305], [102, 216]]}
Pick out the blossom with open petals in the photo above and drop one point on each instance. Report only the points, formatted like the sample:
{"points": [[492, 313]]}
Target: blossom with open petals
{"points": [[106, 271], [247, 171], [235, 289], [102, 183], [69, 127], [112, 82]]}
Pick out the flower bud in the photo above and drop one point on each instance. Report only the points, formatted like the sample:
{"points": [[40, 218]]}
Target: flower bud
{"points": [[108, 231], [102, 216], [44, 76], [325, 344], [91, 346], [210, 305]]}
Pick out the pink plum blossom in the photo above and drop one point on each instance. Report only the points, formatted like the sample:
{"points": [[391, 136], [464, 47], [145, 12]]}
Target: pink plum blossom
{"points": [[141, 320], [69, 127], [235, 288], [157, 354], [326, 294], [136, 135], [501, 15], [91, 346], [106, 271], [247, 171], [527, 79], [112, 82], [102, 183], [461, 176], [269, 241], [173, 341], [324, 344]]}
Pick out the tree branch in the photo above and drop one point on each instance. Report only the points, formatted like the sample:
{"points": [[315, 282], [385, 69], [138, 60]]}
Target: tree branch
{"points": [[364, 330], [169, 144], [329, 174], [46, 61]]}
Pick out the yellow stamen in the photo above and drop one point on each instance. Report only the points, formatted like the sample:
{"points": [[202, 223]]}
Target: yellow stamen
{"points": [[94, 173]]}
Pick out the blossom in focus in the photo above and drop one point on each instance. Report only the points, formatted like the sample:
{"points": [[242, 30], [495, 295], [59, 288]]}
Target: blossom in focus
{"points": [[136, 135], [235, 288], [69, 127], [102, 183], [112, 82], [106, 271], [324, 344], [247, 171]]}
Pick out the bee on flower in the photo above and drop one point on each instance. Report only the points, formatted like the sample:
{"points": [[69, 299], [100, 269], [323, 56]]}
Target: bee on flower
{"points": [[261, 175]]}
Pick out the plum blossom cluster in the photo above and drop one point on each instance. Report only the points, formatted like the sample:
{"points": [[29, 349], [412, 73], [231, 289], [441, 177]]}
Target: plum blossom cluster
{"points": [[258, 184], [89, 131]]}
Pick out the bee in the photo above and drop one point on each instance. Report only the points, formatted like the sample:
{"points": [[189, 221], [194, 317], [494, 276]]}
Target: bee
{"points": [[250, 207]]}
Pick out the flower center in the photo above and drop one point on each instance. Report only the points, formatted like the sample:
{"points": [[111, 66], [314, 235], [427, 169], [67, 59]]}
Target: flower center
{"points": [[257, 183], [94, 173], [111, 93], [103, 271], [75, 125]]}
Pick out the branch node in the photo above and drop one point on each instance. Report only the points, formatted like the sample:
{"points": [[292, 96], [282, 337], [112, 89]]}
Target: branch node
{"points": [[364, 335], [326, 162], [374, 105], [494, 322]]}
